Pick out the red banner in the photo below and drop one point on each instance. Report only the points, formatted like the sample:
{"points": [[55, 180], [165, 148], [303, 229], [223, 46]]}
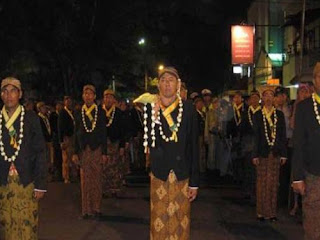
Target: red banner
{"points": [[242, 44]]}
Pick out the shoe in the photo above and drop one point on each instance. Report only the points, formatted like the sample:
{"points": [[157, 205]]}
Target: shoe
{"points": [[260, 219], [273, 219], [66, 181]]}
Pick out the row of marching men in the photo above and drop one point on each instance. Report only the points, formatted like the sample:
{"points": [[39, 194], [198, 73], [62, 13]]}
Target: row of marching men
{"points": [[97, 144], [257, 157]]}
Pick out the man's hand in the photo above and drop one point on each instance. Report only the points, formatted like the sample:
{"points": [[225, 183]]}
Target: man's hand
{"points": [[192, 194], [75, 159], [299, 187], [255, 161], [283, 161], [38, 195]]}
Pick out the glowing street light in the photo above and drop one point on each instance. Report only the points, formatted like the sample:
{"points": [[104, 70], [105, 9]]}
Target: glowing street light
{"points": [[142, 41], [161, 67]]}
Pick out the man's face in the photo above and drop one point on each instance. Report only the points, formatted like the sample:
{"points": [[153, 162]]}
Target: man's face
{"points": [[88, 97], [304, 93], [199, 105], [254, 100], [10, 96], [316, 82], [168, 85], [280, 99], [68, 103], [237, 99], [183, 94], [108, 100], [43, 109], [207, 99], [268, 97], [59, 107]]}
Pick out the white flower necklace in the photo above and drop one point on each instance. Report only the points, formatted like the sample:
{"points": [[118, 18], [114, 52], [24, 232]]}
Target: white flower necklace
{"points": [[273, 129], [16, 153], [110, 121], [249, 115], [153, 124], [238, 121], [94, 123], [315, 107]]}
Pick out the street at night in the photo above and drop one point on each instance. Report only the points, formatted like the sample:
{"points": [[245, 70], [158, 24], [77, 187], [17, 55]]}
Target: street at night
{"points": [[219, 213], [160, 120]]}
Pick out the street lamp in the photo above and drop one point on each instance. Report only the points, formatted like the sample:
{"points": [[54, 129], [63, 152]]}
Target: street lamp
{"points": [[161, 67], [142, 43]]}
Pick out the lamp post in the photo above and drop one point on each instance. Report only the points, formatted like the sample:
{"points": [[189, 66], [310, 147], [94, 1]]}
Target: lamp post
{"points": [[161, 67], [142, 43]]}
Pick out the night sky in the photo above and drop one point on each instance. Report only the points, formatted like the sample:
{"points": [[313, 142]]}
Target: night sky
{"points": [[62, 44]]}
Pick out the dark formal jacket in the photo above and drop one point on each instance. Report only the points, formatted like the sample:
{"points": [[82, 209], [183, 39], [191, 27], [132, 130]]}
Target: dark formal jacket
{"points": [[116, 131], [261, 148], [54, 126], [46, 134], [95, 139], [65, 125], [31, 162], [201, 122], [234, 130], [183, 156], [306, 141]]}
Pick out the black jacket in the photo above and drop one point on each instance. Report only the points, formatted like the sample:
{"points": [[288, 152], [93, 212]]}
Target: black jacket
{"points": [[95, 139], [46, 134], [31, 162], [116, 131], [65, 125], [306, 141], [182, 156], [261, 148]]}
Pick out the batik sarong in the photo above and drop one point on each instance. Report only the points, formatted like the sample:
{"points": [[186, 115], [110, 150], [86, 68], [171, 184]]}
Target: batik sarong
{"points": [[91, 180], [18, 210], [267, 186], [170, 209]]}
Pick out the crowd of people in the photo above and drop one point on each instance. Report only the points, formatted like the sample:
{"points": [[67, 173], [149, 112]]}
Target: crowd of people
{"points": [[262, 142]]}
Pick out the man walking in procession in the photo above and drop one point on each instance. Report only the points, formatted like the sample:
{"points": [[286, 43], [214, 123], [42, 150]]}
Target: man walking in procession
{"points": [[23, 166], [90, 152], [171, 135]]}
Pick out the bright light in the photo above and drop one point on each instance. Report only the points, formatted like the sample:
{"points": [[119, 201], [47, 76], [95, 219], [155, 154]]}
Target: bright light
{"points": [[237, 69], [277, 57], [142, 41], [161, 67]]}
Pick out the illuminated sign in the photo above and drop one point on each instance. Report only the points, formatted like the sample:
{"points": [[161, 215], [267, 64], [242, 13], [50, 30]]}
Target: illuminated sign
{"points": [[242, 44]]}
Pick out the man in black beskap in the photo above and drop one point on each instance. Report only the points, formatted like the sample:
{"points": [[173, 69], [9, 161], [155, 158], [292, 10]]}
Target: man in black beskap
{"points": [[269, 152], [306, 164]]}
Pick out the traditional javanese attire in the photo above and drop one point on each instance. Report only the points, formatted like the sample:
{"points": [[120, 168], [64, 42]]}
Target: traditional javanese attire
{"points": [[138, 158], [90, 145], [174, 168], [306, 165], [47, 134], [114, 169], [202, 147], [235, 130], [66, 125], [247, 144], [210, 130], [20, 178], [56, 145], [269, 159]]}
